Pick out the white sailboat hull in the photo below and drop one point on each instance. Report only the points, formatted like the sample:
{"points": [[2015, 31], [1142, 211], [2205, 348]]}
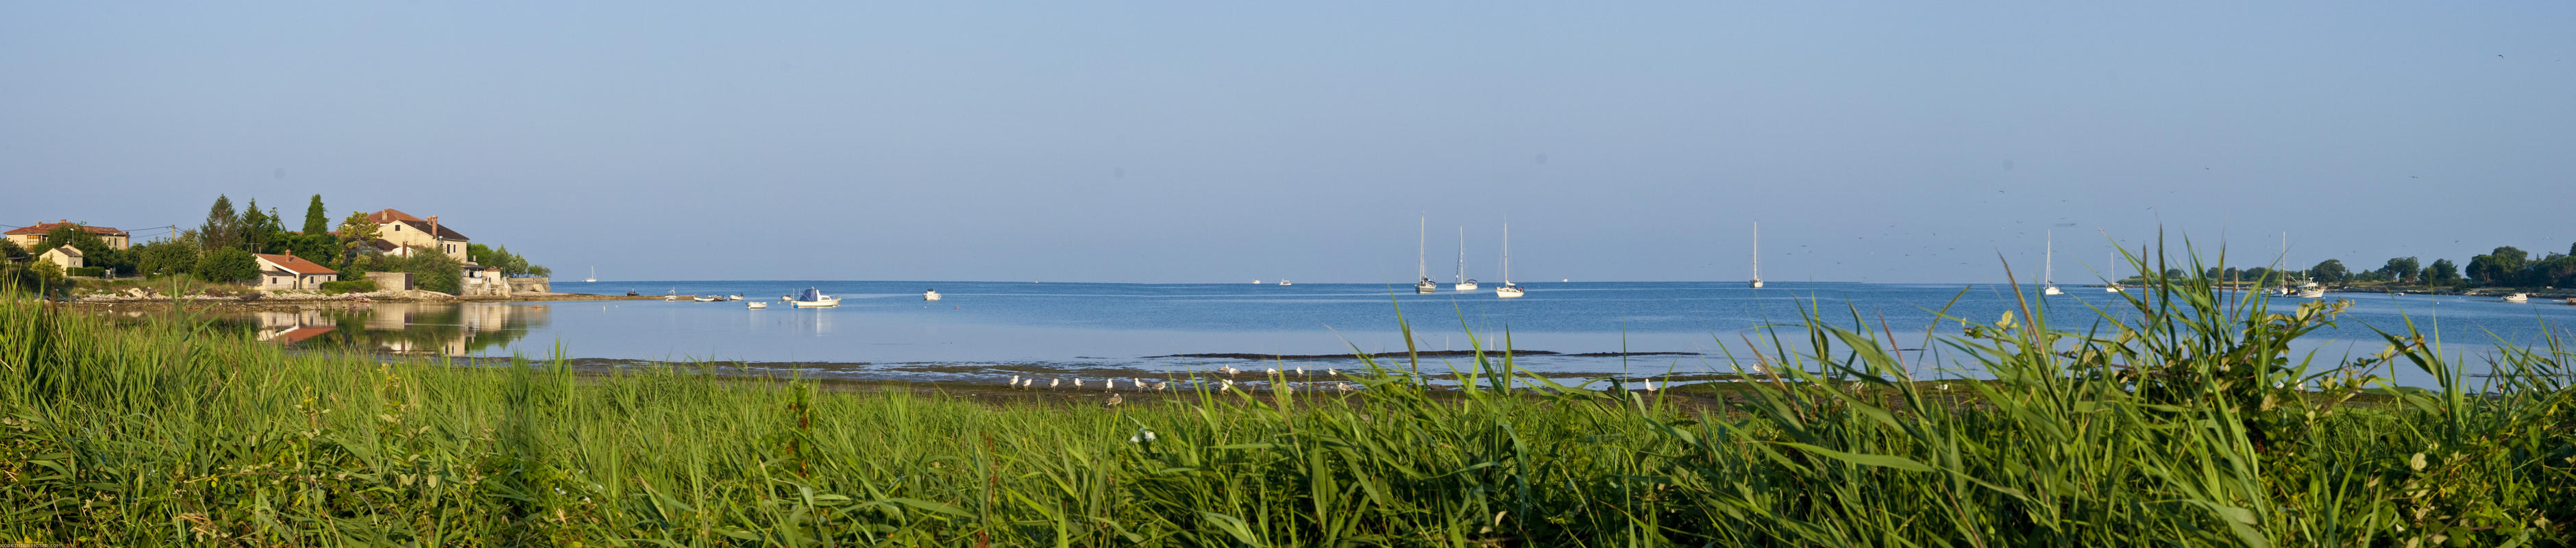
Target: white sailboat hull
{"points": [[756, 305], [1466, 286], [2517, 298], [1756, 284], [930, 295], [826, 302], [1426, 288], [2312, 294], [2051, 290], [1507, 292]]}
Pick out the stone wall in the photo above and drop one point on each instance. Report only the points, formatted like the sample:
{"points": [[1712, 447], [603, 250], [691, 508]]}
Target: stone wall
{"points": [[392, 280], [531, 285]]}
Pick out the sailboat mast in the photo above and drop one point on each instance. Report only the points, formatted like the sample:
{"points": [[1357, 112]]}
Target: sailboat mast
{"points": [[1462, 254], [1757, 250], [2048, 271], [1507, 254], [1422, 248]]}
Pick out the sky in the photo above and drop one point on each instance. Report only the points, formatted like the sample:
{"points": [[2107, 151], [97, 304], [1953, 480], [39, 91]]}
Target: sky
{"points": [[1226, 142]]}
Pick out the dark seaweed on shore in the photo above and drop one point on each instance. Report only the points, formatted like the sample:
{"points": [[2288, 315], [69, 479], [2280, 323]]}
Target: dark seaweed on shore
{"points": [[1426, 354]]}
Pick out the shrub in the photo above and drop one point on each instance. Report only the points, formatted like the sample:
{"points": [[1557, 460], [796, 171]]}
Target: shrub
{"points": [[228, 266], [90, 271], [348, 286]]}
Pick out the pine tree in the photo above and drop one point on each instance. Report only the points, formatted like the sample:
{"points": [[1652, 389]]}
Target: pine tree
{"points": [[316, 219], [221, 223]]}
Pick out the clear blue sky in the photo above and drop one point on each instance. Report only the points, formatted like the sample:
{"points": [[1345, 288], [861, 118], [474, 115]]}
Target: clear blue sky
{"points": [[1195, 141]]}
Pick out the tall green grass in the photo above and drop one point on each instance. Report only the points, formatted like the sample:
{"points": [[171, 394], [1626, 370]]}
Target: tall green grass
{"points": [[2185, 425]]}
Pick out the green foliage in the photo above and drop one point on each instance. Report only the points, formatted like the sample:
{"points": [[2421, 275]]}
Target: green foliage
{"points": [[509, 264], [318, 247], [2331, 271], [95, 251], [358, 234], [2402, 268], [316, 219], [228, 266], [2442, 271], [11, 253], [223, 226], [430, 271], [2497, 267], [174, 256], [349, 286], [90, 271]]}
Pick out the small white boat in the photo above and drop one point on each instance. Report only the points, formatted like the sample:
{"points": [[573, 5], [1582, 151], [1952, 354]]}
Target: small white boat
{"points": [[1283, 282], [674, 296], [756, 305], [1508, 290], [813, 298], [735, 297], [2113, 288], [931, 295], [2312, 293], [2517, 298], [1256, 282], [705, 299], [594, 275]]}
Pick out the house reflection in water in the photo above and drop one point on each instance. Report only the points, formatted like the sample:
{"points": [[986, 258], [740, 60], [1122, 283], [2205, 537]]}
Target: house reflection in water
{"points": [[405, 328]]}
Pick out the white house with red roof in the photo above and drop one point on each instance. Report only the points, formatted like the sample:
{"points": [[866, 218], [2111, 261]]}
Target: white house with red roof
{"points": [[29, 236], [398, 233], [292, 272]]}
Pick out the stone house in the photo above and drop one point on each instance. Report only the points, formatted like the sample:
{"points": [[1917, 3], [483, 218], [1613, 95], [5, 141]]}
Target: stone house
{"points": [[28, 236], [292, 272], [398, 233], [67, 257]]}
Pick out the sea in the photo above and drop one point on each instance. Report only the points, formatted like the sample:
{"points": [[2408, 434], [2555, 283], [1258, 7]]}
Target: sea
{"points": [[985, 332]]}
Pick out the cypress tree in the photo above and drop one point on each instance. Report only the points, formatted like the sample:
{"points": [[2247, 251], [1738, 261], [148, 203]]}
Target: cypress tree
{"points": [[316, 219]]}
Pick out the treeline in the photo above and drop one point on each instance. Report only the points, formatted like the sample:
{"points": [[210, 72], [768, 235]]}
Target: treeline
{"points": [[2506, 266], [220, 249]]}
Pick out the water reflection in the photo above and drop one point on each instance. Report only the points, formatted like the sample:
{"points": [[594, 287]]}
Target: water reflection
{"points": [[402, 328]]}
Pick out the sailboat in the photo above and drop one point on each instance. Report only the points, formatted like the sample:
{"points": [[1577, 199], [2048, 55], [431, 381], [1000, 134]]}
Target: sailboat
{"points": [[2115, 274], [1421, 258], [1756, 283], [2048, 273], [1464, 284], [1507, 290], [594, 275]]}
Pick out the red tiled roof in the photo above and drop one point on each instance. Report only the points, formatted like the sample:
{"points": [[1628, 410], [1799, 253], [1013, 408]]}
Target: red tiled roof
{"points": [[41, 228], [295, 264], [391, 216]]}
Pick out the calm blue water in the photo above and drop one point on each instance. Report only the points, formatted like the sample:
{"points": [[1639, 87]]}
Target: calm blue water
{"points": [[1012, 325]]}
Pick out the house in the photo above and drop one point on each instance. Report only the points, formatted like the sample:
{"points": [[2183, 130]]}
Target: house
{"points": [[398, 233], [67, 257], [28, 236], [292, 272]]}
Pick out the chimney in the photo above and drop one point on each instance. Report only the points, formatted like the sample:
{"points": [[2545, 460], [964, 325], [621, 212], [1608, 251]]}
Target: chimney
{"points": [[433, 234]]}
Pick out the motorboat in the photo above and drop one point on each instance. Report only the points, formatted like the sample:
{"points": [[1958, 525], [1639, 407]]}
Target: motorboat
{"points": [[2570, 300], [931, 295], [1283, 282], [675, 295], [705, 299], [735, 297], [1507, 291], [756, 305], [813, 298], [2517, 297]]}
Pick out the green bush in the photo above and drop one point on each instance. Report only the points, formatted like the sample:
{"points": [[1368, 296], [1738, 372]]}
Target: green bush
{"points": [[348, 286], [228, 266], [90, 271]]}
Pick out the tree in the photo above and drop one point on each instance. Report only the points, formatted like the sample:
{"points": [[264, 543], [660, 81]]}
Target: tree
{"points": [[357, 232], [254, 227], [2331, 271], [2498, 267], [10, 251], [219, 231], [2214, 273], [228, 265], [2173, 273], [2442, 271], [2401, 268], [167, 257], [316, 219]]}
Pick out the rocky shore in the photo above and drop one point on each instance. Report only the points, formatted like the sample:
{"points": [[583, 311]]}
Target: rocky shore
{"points": [[275, 298]]}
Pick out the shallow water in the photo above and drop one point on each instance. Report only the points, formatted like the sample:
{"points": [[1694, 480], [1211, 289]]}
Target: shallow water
{"points": [[988, 330]]}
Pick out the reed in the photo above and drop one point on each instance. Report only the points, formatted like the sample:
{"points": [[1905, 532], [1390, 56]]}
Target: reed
{"points": [[2189, 422]]}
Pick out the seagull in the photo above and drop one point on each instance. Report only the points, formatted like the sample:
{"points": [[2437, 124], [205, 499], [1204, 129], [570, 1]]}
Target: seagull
{"points": [[1109, 385], [1077, 384], [1333, 372], [1015, 381], [1162, 386], [1301, 371], [1271, 371], [1114, 400], [1229, 383], [1052, 383], [1346, 387], [1228, 370], [1650, 385]]}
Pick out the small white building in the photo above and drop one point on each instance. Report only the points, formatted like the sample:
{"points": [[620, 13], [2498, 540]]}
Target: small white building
{"points": [[292, 272], [65, 256]]}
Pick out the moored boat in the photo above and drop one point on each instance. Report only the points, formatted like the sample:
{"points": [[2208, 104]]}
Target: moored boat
{"points": [[2517, 297], [814, 298], [756, 305], [1507, 290], [931, 295]]}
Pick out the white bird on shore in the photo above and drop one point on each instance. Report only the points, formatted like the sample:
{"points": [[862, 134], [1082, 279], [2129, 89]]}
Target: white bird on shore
{"points": [[1027, 382], [1015, 381], [1346, 387], [1650, 385], [1272, 371], [1333, 372], [1301, 371], [1114, 400], [1052, 383], [1077, 384], [1229, 383], [1228, 370], [1162, 386], [1109, 385]]}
